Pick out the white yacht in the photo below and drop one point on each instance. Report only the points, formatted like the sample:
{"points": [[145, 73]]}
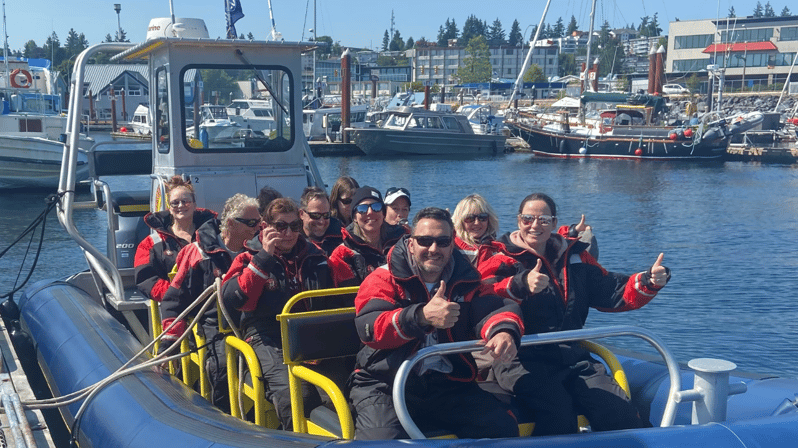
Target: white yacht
{"points": [[252, 113]]}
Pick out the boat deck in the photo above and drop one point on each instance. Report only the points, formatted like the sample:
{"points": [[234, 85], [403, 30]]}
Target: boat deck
{"points": [[32, 430]]}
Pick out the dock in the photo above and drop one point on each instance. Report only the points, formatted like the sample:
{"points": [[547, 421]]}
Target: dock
{"points": [[775, 153]]}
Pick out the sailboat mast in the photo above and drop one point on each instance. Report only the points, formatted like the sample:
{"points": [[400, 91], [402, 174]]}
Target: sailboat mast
{"points": [[520, 80], [589, 42], [5, 47]]}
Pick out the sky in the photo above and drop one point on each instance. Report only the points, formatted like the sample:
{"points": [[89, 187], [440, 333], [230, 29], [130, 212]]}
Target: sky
{"points": [[356, 23]]}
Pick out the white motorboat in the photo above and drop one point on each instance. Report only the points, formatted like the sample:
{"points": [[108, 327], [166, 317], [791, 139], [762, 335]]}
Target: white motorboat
{"points": [[325, 123], [484, 118], [31, 129], [252, 113]]}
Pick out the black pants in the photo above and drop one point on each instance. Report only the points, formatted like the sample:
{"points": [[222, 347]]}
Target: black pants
{"points": [[556, 394], [275, 373], [434, 402]]}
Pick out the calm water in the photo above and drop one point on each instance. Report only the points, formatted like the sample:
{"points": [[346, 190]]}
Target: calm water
{"points": [[728, 231]]}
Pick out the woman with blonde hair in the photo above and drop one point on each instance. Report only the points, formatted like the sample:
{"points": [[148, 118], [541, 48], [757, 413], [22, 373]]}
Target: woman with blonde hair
{"points": [[475, 227]]}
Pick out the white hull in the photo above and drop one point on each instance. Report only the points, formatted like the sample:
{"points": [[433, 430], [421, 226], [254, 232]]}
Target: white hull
{"points": [[34, 162]]}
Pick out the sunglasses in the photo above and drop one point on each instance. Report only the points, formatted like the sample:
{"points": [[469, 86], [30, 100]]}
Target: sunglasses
{"points": [[280, 226], [470, 219], [316, 216], [253, 222], [180, 202], [393, 190], [426, 241], [345, 201], [544, 220], [364, 208]]}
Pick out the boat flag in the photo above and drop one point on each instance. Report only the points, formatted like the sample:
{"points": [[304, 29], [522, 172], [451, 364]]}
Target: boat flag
{"points": [[233, 12]]}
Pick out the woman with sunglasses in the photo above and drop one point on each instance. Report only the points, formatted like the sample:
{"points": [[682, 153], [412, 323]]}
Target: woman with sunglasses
{"points": [[281, 264], [341, 199], [198, 266], [556, 281], [475, 226], [367, 239], [172, 229]]}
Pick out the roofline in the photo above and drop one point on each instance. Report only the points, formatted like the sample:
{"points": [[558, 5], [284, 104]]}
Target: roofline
{"points": [[142, 51]]}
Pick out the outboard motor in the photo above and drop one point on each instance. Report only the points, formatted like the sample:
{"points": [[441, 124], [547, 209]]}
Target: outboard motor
{"points": [[130, 208]]}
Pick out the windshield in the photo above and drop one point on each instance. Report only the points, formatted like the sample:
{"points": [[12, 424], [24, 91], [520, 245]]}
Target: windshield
{"points": [[215, 92]]}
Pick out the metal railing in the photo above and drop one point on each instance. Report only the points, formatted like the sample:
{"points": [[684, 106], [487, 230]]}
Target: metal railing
{"points": [[668, 416]]}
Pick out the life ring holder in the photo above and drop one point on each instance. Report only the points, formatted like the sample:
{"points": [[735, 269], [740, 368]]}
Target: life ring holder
{"points": [[26, 74]]}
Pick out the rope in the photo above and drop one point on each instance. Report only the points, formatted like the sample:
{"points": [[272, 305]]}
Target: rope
{"points": [[51, 200]]}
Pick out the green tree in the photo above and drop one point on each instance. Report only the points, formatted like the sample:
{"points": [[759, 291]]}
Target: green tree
{"points": [[731, 12], [397, 44], [566, 64], [121, 36], [325, 49], [447, 31], [769, 12], [559, 28], [643, 29], [515, 38], [759, 11], [52, 49], [476, 64], [250, 36], [496, 34], [108, 38], [653, 27], [386, 41], [572, 26], [534, 74], [786, 12], [31, 50], [410, 43], [218, 81], [336, 49], [693, 83], [472, 28]]}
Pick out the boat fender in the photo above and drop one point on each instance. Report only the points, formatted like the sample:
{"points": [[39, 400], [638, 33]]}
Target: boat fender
{"points": [[673, 136], [688, 133], [583, 150], [563, 147], [639, 151], [9, 309], [28, 78]]}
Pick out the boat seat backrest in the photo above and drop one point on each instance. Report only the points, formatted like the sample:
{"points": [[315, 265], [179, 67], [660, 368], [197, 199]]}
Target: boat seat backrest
{"points": [[321, 336]]}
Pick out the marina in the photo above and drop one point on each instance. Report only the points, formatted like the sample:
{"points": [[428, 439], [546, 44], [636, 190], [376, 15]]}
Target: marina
{"points": [[709, 359]]}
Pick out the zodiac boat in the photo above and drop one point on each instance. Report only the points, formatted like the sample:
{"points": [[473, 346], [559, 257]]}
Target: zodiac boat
{"points": [[82, 328]]}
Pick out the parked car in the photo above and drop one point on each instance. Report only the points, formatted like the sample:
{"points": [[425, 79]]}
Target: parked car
{"points": [[674, 89]]}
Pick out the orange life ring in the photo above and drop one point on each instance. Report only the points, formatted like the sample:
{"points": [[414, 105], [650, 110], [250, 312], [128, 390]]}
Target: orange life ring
{"points": [[26, 74]]}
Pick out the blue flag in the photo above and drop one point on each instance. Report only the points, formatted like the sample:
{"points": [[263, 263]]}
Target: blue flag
{"points": [[233, 12]]}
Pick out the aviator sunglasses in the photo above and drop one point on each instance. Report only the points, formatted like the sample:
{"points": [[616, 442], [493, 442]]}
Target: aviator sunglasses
{"points": [[280, 226], [426, 241], [544, 220], [364, 208], [180, 202], [316, 215], [253, 222], [470, 219]]}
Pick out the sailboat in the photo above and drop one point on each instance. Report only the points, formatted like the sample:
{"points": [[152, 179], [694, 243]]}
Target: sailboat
{"points": [[625, 126]]}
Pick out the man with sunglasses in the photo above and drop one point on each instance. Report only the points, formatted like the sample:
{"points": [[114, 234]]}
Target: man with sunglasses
{"points": [[426, 294], [275, 267], [318, 225], [366, 241]]}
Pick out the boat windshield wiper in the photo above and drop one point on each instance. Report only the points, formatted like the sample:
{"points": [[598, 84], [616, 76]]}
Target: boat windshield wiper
{"points": [[269, 88]]}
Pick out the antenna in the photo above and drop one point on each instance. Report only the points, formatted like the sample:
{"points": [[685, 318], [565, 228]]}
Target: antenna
{"points": [[5, 45], [393, 24]]}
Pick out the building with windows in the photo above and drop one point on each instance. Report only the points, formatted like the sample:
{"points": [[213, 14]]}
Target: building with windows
{"points": [[753, 51], [439, 65]]}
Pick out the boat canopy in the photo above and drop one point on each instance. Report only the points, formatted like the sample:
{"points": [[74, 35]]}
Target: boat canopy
{"points": [[642, 99]]}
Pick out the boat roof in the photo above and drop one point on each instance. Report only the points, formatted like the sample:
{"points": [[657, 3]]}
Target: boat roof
{"points": [[144, 50], [644, 99]]}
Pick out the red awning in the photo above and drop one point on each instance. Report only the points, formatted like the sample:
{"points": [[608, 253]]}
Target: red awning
{"points": [[740, 47]]}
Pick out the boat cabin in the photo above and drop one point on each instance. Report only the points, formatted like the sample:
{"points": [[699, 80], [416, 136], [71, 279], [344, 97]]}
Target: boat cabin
{"points": [[407, 118]]}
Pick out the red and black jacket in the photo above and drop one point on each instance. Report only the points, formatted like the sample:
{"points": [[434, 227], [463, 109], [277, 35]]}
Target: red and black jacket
{"points": [[576, 283], [198, 266], [387, 305], [156, 254], [259, 284], [331, 239], [354, 259]]}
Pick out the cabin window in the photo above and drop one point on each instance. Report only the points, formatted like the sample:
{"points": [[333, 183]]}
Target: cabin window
{"points": [[451, 123], [28, 125], [162, 113], [218, 126]]}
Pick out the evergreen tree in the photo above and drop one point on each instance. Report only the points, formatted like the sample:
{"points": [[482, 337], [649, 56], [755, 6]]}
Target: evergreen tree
{"points": [[515, 38], [786, 12], [52, 49], [759, 10], [559, 28], [386, 40], [121, 36], [644, 29], [31, 50], [241, 37], [566, 64], [442, 36], [451, 30], [549, 32], [397, 44], [473, 28], [250, 36], [533, 32], [653, 27], [572, 26], [731, 12], [410, 43], [769, 12], [496, 34], [476, 65]]}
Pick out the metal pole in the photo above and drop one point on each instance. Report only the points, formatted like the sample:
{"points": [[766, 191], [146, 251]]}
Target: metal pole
{"points": [[520, 80]]}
